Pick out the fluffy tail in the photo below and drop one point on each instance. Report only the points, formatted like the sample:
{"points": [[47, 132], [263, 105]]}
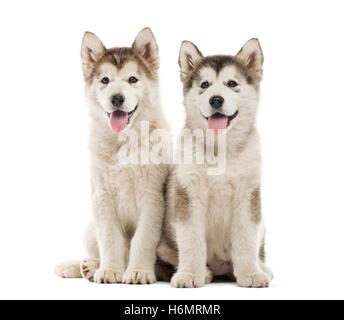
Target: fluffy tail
{"points": [[70, 269]]}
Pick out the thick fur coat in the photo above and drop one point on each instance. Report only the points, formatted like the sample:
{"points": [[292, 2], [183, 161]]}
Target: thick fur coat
{"points": [[214, 223], [128, 202]]}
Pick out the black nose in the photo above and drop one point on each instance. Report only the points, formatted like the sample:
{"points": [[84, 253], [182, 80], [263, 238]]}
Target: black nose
{"points": [[117, 100], [216, 102]]}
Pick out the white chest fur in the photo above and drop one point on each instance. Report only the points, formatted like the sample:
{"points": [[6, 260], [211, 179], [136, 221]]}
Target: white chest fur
{"points": [[218, 215]]}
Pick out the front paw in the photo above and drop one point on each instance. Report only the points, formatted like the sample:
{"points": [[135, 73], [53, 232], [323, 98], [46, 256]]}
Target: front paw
{"points": [[108, 275], [188, 280], [137, 276], [254, 280]]}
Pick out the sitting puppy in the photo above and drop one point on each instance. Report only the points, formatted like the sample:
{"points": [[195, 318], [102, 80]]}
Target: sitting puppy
{"points": [[214, 223], [128, 201]]}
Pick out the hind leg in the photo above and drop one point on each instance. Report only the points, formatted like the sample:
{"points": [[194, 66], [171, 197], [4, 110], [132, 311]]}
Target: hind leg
{"points": [[88, 267], [262, 259], [90, 242]]}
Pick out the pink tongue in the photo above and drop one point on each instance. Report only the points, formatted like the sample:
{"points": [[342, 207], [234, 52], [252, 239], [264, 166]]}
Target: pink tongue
{"points": [[118, 120], [217, 122]]}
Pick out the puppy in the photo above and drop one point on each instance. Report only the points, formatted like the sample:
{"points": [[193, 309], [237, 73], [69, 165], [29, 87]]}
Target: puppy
{"points": [[128, 202], [213, 225]]}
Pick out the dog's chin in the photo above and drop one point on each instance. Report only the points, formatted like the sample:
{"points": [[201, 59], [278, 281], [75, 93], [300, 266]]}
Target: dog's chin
{"points": [[120, 121]]}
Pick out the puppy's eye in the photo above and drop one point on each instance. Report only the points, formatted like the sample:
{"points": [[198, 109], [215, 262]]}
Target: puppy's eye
{"points": [[105, 80], [205, 85], [133, 80], [232, 84]]}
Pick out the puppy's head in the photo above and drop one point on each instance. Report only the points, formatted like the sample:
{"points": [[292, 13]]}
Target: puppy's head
{"points": [[118, 79], [221, 91]]}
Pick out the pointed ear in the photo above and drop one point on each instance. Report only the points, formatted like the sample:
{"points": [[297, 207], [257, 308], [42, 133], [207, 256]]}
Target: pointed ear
{"points": [[146, 47], [92, 50], [189, 58], [251, 56]]}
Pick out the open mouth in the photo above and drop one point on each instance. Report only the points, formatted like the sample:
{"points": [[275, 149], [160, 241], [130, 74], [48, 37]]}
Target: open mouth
{"points": [[120, 119], [219, 121]]}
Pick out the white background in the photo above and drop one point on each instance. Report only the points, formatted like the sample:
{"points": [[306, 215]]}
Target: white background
{"points": [[44, 171]]}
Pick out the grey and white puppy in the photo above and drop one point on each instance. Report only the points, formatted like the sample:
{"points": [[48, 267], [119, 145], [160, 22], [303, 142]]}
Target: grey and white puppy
{"points": [[214, 223]]}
